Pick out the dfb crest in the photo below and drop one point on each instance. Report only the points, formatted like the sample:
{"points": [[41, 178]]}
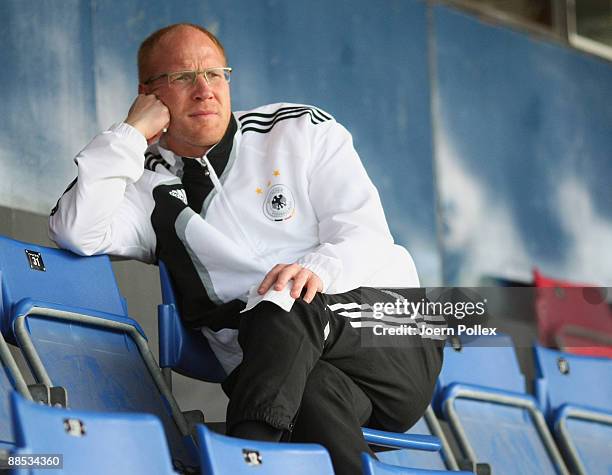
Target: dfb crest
{"points": [[279, 204]]}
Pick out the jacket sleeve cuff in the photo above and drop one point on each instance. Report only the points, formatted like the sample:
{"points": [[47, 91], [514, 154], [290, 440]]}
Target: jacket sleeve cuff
{"points": [[117, 152], [129, 133], [327, 268]]}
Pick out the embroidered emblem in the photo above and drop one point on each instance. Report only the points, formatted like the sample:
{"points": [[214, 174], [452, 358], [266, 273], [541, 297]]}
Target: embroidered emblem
{"points": [[279, 204], [180, 194]]}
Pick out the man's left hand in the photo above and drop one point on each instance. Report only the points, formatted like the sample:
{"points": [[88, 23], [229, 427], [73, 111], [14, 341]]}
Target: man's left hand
{"points": [[283, 273]]}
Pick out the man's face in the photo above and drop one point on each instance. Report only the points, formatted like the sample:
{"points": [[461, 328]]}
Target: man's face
{"points": [[199, 114]]}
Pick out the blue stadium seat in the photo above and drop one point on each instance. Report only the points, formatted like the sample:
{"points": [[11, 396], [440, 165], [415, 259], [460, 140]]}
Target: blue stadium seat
{"points": [[70, 321], [10, 379], [441, 460], [481, 393], [187, 352], [89, 442], [575, 394], [222, 455], [49, 275], [372, 466]]}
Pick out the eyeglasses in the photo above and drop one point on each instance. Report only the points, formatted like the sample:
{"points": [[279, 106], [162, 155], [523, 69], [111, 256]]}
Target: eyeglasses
{"points": [[212, 76]]}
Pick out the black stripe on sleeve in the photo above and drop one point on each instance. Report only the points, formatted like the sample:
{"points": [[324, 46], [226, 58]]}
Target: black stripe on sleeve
{"points": [[263, 123], [270, 115], [151, 161], [278, 116], [266, 127]]}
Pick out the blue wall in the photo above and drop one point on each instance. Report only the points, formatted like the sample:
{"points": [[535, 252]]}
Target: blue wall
{"points": [[520, 142], [523, 139]]}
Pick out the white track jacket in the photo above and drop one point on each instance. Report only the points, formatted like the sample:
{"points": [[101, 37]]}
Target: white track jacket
{"points": [[284, 185]]}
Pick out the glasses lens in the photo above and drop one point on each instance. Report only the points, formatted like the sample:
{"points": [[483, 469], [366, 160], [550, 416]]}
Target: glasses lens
{"points": [[213, 76], [182, 78], [217, 75]]}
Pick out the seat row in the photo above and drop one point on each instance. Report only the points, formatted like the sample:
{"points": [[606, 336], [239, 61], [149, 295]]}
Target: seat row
{"points": [[481, 393], [68, 318]]}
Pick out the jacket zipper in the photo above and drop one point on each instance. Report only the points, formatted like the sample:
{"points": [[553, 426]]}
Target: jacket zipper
{"points": [[219, 188]]}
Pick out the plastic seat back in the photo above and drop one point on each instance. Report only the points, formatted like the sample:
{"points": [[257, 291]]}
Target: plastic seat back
{"points": [[222, 455], [488, 361], [89, 442], [183, 350], [576, 394], [564, 378], [56, 276], [481, 393], [67, 315]]}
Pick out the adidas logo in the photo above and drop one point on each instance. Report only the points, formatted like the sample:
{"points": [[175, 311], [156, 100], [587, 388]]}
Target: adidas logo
{"points": [[180, 194]]}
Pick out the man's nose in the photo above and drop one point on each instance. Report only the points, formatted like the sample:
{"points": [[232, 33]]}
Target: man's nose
{"points": [[201, 89]]}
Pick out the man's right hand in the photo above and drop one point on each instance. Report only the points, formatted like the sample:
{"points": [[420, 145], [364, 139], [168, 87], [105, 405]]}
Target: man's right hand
{"points": [[149, 116]]}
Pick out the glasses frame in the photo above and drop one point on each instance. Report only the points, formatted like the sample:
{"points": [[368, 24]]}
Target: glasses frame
{"points": [[204, 72]]}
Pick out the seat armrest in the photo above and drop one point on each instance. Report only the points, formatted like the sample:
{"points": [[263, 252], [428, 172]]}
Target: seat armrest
{"points": [[401, 441], [481, 393], [585, 413], [28, 306]]}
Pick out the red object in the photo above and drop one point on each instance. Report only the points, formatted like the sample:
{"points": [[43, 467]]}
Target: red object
{"points": [[540, 280], [573, 317]]}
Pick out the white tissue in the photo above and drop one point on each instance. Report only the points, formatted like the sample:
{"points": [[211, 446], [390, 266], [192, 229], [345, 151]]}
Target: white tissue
{"points": [[282, 298]]}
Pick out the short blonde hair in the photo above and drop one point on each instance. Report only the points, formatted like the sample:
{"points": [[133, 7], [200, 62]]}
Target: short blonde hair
{"points": [[149, 44]]}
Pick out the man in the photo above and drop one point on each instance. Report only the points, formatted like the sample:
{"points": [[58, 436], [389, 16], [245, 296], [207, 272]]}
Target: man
{"points": [[271, 207]]}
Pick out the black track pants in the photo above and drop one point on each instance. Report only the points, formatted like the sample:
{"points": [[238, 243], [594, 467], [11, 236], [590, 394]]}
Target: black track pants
{"points": [[315, 372]]}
